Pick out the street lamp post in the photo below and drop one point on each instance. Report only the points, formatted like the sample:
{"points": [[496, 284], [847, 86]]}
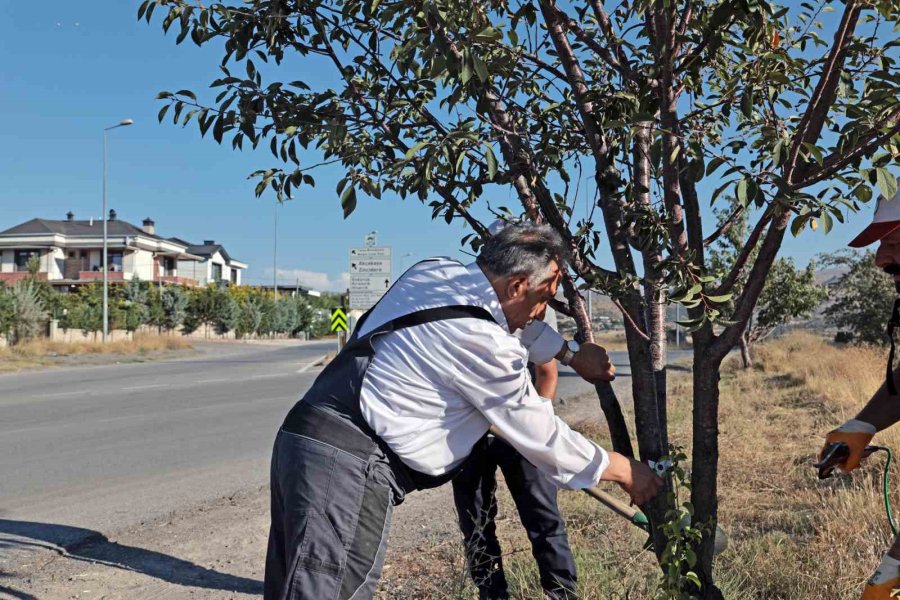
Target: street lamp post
{"points": [[123, 123]]}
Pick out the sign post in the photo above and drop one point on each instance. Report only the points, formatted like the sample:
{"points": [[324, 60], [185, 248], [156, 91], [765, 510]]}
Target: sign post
{"points": [[370, 275], [339, 325]]}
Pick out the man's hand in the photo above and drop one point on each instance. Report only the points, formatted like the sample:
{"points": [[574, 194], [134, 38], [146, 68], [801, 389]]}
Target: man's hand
{"points": [[592, 363], [636, 478], [857, 435]]}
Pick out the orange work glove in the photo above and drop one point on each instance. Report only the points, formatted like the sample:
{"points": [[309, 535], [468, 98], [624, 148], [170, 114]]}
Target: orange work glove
{"points": [[857, 435], [885, 580]]}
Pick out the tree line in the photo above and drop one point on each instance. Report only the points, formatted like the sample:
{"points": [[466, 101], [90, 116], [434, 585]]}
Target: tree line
{"points": [[246, 311]]}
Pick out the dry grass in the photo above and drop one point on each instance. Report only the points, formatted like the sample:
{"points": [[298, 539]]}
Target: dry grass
{"points": [[792, 537], [614, 341], [42, 352]]}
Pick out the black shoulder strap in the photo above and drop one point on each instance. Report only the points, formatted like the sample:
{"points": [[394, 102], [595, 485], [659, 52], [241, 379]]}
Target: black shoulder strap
{"points": [[420, 317]]}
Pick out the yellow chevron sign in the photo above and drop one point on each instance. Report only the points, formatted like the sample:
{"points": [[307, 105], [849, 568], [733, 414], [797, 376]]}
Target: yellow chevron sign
{"points": [[338, 320]]}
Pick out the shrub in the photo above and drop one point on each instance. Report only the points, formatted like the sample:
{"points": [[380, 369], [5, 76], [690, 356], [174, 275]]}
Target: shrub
{"points": [[28, 312]]}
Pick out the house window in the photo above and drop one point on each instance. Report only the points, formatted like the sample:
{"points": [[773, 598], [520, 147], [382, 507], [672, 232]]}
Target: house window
{"points": [[234, 273], [216, 272], [115, 262], [23, 256], [168, 265]]}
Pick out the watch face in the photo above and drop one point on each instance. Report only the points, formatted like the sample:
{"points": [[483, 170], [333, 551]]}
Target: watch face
{"points": [[573, 345]]}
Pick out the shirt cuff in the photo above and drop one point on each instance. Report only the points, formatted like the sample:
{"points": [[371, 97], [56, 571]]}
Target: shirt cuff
{"points": [[590, 476], [542, 341]]}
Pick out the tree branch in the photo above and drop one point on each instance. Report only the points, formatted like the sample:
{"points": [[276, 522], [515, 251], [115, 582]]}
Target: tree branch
{"points": [[725, 226], [833, 163], [746, 251], [746, 302], [810, 126]]}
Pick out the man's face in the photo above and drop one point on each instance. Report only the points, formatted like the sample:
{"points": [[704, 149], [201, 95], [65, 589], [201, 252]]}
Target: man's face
{"points": [[523, 302], [887, 257]]}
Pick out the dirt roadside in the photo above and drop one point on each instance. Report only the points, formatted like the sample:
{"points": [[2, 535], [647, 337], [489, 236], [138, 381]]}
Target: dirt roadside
{"points": [[216, 551]]}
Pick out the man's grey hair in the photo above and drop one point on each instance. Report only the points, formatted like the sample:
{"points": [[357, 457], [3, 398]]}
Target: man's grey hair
{"points": [[523, 249]]}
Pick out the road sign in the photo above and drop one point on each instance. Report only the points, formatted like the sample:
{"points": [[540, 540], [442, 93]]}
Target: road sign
{"points": [[369, 283], [338, 320], [374, 266], [370, 275], [362, 253]]}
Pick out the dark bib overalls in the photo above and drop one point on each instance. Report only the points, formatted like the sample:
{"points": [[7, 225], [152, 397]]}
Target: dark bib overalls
{"points": [[334, 482]]}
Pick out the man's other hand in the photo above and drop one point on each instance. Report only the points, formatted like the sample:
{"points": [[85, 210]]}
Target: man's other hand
{"points": [[592, 363], [636, 478]]}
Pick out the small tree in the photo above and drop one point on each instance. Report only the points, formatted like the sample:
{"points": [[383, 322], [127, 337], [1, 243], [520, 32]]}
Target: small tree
{"points": [[7, 311], [303, 314], [28, 312], [863, 297], [664, 105], [203, 307], [174, 302], [251, 316], [229, 314], [135, 304]]}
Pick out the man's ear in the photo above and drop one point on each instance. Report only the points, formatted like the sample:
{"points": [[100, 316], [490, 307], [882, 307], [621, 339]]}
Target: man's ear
{"points": [[516, 287]]}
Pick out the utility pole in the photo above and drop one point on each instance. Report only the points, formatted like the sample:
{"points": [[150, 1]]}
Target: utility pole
{"points": [[587, 215], [677, 328], [275, 255], [105, 216]]}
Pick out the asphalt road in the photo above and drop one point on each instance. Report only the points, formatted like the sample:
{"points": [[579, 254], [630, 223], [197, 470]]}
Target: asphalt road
{"points": [[101, 448], [104, 447]]}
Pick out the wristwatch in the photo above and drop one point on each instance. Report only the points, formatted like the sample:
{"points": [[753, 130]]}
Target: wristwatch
{"points": [[571, 348]]}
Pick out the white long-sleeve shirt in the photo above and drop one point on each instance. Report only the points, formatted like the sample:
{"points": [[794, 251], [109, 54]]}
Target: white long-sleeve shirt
{"points": [[433, 390]]}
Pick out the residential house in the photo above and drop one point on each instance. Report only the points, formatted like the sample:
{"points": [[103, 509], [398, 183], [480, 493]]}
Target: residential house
{"points": [[215, 265], [70, 252]]}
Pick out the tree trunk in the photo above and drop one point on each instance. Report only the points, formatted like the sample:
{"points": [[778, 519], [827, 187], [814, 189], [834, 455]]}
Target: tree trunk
{"points": [[745, 350], [704, 470]]}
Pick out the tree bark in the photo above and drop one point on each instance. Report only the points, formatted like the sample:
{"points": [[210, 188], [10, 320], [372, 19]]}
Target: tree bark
{"points": [[704, 472], [745, 351]]}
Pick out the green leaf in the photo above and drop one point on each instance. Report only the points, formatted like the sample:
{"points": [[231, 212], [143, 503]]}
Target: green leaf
{"points": [[720, 299], [488, 34], [491, 161], [887, 183], [714, 164], [827, 222], [414, 150], [187, 93], [481, 69], [747, 103], [742, 191], [348, 201], [465, 69], [798, 225], [815, 151], [692, 577]]}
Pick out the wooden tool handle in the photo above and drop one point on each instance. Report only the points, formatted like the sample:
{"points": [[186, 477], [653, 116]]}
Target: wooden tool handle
{"points": [[611, 502]]}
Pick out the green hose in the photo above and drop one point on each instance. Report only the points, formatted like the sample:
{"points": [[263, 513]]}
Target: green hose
{"points": [[885, 488]]}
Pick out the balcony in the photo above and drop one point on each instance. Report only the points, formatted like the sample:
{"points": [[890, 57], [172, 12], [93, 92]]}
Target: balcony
{"points": [[176, 280], [98, 276], [11, 278]]}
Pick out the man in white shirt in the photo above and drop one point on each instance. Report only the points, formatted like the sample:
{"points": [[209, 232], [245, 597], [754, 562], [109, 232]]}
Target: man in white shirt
{"points": [[430, 368]]}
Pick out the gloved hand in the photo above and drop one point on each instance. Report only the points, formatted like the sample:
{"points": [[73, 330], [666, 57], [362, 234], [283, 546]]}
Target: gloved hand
{"points": [[885, 580], [881, 591], [857, 435]]}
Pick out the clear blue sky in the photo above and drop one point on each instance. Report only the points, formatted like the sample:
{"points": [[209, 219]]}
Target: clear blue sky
{"points": [[72, 68]]}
